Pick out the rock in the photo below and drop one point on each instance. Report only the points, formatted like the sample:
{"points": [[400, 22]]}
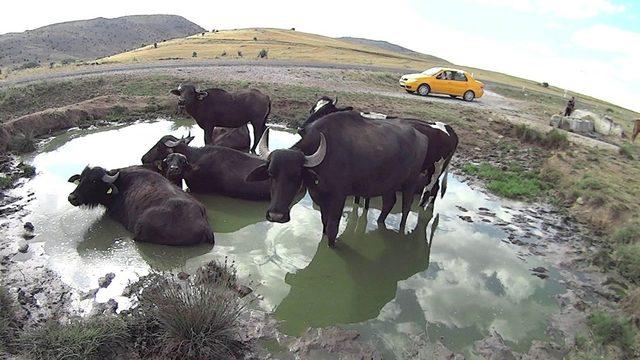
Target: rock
{"points": [[107, 308], [493, 348], [105, 281], [466, 218], [580, 201], [539, 269], [335, 340], [541, 276], [461, 208], [89, 294], [23, 247], [242, 290], [544, 351], [28, 226], [183, 275]]}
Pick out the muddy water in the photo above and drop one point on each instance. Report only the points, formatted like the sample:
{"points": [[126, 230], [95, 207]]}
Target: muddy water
{"points": [[445, 278]]}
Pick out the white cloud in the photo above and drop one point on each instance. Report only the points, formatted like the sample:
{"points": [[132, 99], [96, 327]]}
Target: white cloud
{"points": [[567, 9]]}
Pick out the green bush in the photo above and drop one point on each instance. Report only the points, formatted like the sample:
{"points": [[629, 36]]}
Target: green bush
{"points": [[589, 182], [189, 319], [514, 182], [627, 150], [608, 330], [103, 337], [8, 321], [5, 181], [263, 54], [628, 261], [554, 139], [194, 54], [627, 235]]}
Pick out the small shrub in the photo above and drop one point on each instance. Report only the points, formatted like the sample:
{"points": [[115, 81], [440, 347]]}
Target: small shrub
{"points": [[224, 53], [611, 330], [293, 29], [239, 53], [5, 181], [8, 321], [263, 54], [628, 260], [26, 170], [194, 54], [189, 319], [22, 143], [545, 84], [255, 38], [28, 65], [155, 45], [103, 337], [589, 182], [554, 139], [627, 150]]}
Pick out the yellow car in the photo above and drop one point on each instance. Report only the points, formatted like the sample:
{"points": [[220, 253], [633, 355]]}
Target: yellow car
{"points": [[438, 80]]}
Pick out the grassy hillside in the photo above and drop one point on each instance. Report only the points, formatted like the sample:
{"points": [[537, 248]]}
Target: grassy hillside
{"points": [[89, 39]]}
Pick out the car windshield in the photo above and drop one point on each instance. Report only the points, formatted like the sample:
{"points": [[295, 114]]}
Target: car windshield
{"points": [[431, 71]]}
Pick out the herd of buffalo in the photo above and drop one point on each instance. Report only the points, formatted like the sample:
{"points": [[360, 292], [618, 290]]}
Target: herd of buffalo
{"points": [[342, 152]]}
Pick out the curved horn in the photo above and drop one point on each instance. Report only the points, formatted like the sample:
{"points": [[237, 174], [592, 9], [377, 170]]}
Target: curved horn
{"points": [[110, 179], [171, 143], [180, 87], [263, 145], [335, 101], [316, 158]]}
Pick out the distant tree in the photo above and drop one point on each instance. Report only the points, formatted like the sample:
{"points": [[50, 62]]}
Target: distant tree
{"points": [[239, 53], [51, 64], [255, 38], [545, 84], [202, 34], [263, 54], [224, 53], [194, 54], [293, 29]]}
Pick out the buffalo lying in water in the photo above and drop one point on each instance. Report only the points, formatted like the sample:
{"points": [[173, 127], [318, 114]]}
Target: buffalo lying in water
{"points": [[216, 107], [234, 138], [443, 142], [209, 169], [350, 155], [146, 203]]}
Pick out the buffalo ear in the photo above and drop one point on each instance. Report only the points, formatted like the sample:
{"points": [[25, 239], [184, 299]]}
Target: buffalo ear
{"points": [[74, 178], [202, 95], [260, 173], [175, 92]]}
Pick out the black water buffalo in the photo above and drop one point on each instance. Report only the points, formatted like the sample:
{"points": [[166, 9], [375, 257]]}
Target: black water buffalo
{"points": [[443, 142], [209, 169], [146, 204], [350, 155], [216, 107], [235, 138]]}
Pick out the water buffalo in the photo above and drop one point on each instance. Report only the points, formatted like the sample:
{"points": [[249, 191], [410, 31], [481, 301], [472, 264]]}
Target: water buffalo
{"points": [[216, 107], [209, 169], [350, 155], [146, 203], [443, 142], [235, 138]]}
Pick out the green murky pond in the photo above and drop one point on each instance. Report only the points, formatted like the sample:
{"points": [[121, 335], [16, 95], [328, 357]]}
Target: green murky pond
{"points": [[446, 278]]}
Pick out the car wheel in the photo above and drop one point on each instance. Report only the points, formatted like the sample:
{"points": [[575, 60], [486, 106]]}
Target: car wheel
{"points": [[424, 89], [469, 95]]}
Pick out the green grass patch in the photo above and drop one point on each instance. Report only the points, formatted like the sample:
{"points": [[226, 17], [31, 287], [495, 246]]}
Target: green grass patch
{"points": [[513, 183], [103, 337], [628, 150], [588, 182], [5, 181], [611, 330], [628, 234], [627, 258]]}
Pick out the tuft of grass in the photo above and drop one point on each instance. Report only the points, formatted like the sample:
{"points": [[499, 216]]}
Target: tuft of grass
{"points": [[514, 183], [554, 139], [26, 170], [5, 181], [610, 330], [189, 319], [628, 260], [263, 54], [589, 182], [628, 234], [103, 337], [8, 321], [627, 150], [194, 54]]}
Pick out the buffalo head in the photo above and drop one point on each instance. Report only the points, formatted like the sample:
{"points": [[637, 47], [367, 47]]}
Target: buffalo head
{"points": [[94, 186], [188, 94], [174, 168], [163, 148], [323, 106], [287, 168]]}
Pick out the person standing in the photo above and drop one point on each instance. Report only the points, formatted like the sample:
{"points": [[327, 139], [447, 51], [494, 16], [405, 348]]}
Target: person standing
{"points": [[571, 104]]}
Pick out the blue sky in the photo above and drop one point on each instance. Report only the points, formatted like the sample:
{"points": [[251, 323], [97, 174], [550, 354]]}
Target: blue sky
{"points": [[588, 46]]}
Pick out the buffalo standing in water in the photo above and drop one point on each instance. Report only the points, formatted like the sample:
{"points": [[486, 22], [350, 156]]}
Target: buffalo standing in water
{"points": [[146, 203], [209, 169], [350, 155], [443, 142], [216, 107]]}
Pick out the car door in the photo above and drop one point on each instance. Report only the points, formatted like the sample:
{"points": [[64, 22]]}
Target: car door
{"points": [[458, 83], [439, 83]]}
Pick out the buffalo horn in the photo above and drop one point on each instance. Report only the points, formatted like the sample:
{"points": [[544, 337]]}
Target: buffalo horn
{"points": [[171, 143], [316, 158], [110, 179], [335, 101], [263, 145]]}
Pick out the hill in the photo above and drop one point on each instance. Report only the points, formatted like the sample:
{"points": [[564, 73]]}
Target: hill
{"points": [[385, 45], [90, 39]]}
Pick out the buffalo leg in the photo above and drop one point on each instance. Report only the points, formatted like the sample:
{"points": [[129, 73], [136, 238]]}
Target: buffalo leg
{"points": [[366, 203], [356, 200], [388, 200], [407, 201], [334, 213], [258, 129], [208, 134]]}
